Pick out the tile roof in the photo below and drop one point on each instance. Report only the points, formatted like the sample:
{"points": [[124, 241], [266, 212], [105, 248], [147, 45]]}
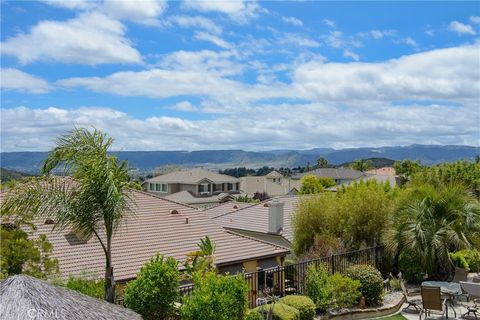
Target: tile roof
{"points": [[150, 229], [188, 198], [334, 173], [193, 177], [274, 174], [255, 217]]}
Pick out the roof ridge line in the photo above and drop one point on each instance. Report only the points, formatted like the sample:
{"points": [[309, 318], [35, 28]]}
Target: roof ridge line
{"points": [[255, 239]]}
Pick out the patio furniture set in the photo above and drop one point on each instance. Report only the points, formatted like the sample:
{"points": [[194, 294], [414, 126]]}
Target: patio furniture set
{"points": [[442, 295]]}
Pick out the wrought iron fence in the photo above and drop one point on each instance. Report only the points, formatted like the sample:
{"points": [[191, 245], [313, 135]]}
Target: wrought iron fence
{"points": [[291, 279]]}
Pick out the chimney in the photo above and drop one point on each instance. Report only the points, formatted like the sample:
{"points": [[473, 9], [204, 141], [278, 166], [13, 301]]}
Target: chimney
{"points": [[275, 216]]}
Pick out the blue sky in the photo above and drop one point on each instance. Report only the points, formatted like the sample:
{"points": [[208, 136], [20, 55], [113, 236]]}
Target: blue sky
{"points": [[192, 75]]}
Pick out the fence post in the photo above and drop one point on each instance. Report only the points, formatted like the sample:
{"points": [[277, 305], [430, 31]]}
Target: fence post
{"points": [[333, 263]]}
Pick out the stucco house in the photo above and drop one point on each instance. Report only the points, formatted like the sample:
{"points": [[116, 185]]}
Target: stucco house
{"points": [[197, 187], [274, 184], [339, 175]]}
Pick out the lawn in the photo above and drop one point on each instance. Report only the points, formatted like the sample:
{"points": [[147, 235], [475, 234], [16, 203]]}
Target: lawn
{"points": [[395, 317]]}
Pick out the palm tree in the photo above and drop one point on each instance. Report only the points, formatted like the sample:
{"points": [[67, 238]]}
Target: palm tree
{"points": [[322, 162], [430, 223], [361, 165], [93, 201]]}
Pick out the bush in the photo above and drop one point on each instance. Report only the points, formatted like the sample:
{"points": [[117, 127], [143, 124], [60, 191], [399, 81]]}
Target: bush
{"points": [[411, 268], [253, 315], [303, 304], [281, 311], [155, 290], [216, 297], [90, 287], [345, 291], [330, 292], [471, 257], [371, 282], [458, 260]]}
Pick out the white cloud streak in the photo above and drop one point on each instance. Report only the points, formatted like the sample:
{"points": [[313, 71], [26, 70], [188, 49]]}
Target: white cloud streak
{"points": [[91, 38], [461, 28], [16, 80]]}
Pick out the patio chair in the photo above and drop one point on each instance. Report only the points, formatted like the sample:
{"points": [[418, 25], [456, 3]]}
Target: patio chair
{"points": [[473, 291], [409, 300], [432, 300], [460, 275]]}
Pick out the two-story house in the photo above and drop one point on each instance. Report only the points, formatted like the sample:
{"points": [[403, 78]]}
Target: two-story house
{"points": [[197, 187]]}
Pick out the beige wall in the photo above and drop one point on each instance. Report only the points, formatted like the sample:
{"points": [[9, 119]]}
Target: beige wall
{"points": [[188, 187]]}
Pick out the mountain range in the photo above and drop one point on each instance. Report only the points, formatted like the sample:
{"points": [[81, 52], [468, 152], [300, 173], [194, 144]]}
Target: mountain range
{"points": [[30, 162]]}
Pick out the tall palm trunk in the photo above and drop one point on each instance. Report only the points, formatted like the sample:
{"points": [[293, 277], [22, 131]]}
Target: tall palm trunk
{"points": [[109, 285]]}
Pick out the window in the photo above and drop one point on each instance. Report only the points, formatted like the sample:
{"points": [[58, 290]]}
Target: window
{"points": [[232, 186], [204, 188], [159, 187]]}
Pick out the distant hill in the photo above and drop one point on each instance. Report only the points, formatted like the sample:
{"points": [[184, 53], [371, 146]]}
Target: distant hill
{"points": [[375, 163], [30, 162], [8, 175]]}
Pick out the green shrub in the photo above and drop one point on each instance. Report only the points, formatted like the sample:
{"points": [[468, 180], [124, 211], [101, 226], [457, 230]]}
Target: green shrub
{"points": [[253, 315], [458, 260], [472, 258], [411, 268], [303, 304], [317, 286], [281, 311], [345, 291], [371, 282], [216, 297], [331, 291], [88, 286], [155, 290]]}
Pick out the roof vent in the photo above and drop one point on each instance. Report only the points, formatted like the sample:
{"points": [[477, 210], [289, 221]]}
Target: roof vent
{"points": [[186, 220], [173, 211], [49, 221], [235, 207], [265, 205]]}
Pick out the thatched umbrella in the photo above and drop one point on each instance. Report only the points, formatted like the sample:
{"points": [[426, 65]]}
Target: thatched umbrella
{"points": [[23, 297]]}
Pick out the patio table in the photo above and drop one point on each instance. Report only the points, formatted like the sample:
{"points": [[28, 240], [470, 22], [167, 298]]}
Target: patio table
{"points": [[451, 289]]}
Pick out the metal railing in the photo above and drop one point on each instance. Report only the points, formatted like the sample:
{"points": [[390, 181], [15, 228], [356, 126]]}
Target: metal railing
{"points": [[292, 279]]}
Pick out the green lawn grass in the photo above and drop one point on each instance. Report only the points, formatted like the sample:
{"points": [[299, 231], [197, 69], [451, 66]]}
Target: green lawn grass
{"points": [[395, 317]]}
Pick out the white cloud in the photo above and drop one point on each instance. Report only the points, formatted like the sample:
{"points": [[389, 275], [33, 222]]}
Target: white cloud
{"points": [[197, 22], [205, 61], [461, 28], [330, 23], [298, 40], [430, 32], [73, 4], [140, 11], [475, 19], [409, 41], [349, 54], [205, 36], [238, 10], [293, 21], [16, 80], [262, 127], [444, 74], [379, 34], [184, 106], [91, 38], [337, 40]]}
